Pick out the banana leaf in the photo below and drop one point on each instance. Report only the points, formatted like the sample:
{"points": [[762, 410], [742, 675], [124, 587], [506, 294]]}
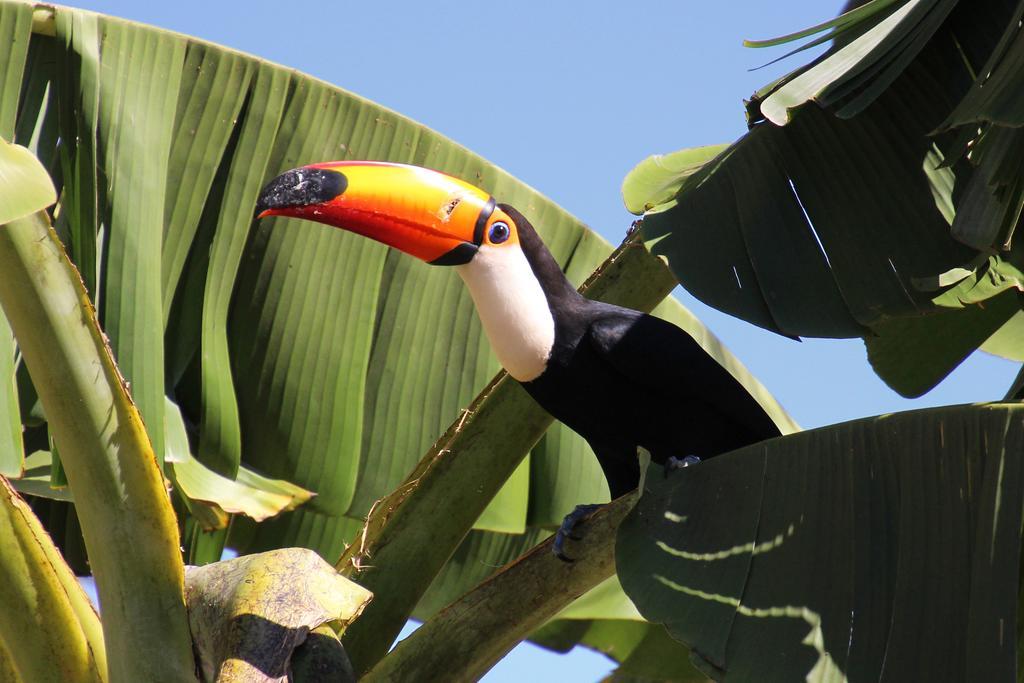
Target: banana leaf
{"points": [[889, 190], [884, 548]]}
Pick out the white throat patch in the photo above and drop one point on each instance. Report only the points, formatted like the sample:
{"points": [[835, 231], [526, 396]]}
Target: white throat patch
{"points": [[512, 308]]}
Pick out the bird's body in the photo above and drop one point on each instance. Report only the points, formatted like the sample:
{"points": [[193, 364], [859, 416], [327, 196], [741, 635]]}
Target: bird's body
{"points": [[618, 377], [621, 379], [617, 402]]}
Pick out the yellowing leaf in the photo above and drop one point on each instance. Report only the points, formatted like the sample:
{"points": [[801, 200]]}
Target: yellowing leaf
{"points": [[249, 614], [49, 630]]}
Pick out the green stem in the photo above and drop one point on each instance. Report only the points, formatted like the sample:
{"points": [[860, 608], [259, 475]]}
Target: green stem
{"points": [[464, 640], [127, 521]]}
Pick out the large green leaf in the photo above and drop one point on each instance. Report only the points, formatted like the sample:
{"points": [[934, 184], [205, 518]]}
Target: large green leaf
{"points": [[807, 243], [885, 548], [211, 156], [866, 211]]}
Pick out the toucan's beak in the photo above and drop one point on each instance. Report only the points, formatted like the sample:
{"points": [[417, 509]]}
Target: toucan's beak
{"points": [[430, 215]]}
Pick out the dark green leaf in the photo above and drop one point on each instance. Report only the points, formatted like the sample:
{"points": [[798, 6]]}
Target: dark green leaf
{"points": [[904, 525], [997, 95], [807, 241], [913, 355], [989, 206]]}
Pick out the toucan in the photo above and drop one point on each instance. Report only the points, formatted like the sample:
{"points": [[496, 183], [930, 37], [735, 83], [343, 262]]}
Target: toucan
{"points": [[618, 377]]}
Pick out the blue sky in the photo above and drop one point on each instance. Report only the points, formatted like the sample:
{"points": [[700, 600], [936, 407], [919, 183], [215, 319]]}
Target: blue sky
{"points": [[568, 97]]}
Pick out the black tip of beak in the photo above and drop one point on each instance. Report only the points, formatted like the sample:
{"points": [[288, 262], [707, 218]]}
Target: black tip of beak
{"points": [[301, 187]]}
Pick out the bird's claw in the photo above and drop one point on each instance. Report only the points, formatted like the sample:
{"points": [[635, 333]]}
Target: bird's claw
{"points": [[567, 528], [673, 463]]}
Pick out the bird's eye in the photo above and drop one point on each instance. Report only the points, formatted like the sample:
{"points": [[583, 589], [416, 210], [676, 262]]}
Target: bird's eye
{"points": [[499, 232]]}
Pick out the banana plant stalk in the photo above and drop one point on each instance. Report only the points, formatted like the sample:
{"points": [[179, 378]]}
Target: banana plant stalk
{"points": [[122, 500]]}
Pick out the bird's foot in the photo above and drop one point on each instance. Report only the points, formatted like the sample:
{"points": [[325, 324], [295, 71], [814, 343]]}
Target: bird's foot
{"points": [[673, 463], [568, 527]]}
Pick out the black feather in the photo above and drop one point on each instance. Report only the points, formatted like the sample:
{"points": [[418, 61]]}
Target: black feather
{"points": [[621, 379]]}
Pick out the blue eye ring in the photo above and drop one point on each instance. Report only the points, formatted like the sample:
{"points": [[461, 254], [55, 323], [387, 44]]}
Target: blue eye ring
{"points": [[499, 232]]}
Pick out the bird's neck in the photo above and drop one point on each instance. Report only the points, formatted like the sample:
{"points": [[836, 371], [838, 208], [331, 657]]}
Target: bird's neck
{"points": [[517, 293], [557, 289], [513, 310]]}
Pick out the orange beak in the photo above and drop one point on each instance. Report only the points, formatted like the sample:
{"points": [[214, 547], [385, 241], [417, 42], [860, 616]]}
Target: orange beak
{"points": [[427, 214]]}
